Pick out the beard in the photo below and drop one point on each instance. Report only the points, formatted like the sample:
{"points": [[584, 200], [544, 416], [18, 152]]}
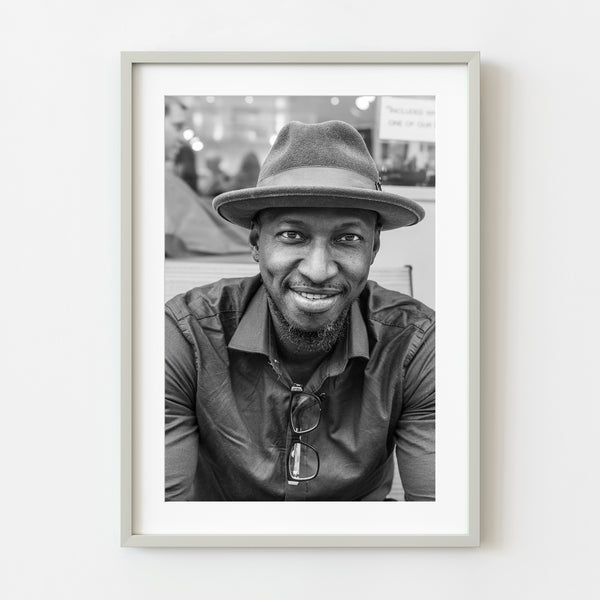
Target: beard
{"points": [[318, 340]]}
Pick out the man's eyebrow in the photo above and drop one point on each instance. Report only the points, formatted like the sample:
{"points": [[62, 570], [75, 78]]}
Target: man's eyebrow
{"points": [[346, 224], [291, 222]]}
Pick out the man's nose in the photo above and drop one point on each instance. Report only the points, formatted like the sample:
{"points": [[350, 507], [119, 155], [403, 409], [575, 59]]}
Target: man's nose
{"points": [[318, 265]]}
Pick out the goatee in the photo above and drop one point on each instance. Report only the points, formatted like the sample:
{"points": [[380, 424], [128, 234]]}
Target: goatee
{"points": [[319, 340]]}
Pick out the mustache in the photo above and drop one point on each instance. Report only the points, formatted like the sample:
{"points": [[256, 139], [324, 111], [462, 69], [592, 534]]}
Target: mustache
{"points": [[307, 283]]}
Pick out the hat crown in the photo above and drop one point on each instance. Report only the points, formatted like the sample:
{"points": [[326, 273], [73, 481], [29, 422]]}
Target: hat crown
{"points": [[332, 144], [322, 165]]}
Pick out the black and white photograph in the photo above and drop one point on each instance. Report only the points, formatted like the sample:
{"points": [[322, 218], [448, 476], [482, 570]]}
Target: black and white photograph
{"points": [[301, 308], [300, 298]]}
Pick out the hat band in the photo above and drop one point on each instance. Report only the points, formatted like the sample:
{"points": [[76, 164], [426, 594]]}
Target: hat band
{"points": [[318, 176]]}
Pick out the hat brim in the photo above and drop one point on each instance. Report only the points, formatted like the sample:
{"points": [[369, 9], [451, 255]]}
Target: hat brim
{"points": [[240, 206]]}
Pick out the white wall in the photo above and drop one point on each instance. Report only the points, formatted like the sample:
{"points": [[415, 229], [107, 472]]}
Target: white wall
{"points": [[60, 306]]}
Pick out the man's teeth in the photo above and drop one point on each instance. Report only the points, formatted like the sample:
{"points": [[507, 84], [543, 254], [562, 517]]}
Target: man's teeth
{"points": [[313, 296]]}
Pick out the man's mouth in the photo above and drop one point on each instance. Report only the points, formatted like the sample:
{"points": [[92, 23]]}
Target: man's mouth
{"points": [[314, 296], [315, 301]]}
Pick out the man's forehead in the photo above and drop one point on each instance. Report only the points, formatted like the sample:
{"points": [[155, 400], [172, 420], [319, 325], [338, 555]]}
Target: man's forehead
{"points": [[329, 216]]}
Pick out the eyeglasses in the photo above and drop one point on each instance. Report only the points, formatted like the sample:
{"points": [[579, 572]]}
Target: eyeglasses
{"points": [[305, 415]]}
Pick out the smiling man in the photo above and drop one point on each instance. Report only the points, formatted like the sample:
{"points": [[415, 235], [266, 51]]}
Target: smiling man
{"points": [[302, 382]]}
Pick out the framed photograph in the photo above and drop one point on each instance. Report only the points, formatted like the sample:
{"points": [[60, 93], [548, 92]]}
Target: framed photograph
{"points": [[300, 283]]}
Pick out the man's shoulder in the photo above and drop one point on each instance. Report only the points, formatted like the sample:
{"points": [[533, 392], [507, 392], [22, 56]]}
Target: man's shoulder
{"points": [[214, 299], [393, 309]]}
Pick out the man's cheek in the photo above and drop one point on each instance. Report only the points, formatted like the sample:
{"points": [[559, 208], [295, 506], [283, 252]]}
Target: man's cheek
{"points": [[272, 273]]}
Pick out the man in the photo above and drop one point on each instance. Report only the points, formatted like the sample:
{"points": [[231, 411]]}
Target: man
{"points": [[191, 226], [175, 119], [300, 383]]}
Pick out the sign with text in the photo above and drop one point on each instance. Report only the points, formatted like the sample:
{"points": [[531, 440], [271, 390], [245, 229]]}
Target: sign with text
{"points": [[407, 119]]}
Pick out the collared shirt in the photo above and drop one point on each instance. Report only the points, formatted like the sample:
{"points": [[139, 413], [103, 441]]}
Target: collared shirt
{"points": [[228, 433]]}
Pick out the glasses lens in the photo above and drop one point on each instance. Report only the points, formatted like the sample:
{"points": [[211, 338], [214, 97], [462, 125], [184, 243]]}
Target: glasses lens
{"points": [[303, 462], [305, 413]]}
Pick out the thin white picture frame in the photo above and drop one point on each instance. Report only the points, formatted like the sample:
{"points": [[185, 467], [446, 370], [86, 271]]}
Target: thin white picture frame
{"points": [[466, 368]]}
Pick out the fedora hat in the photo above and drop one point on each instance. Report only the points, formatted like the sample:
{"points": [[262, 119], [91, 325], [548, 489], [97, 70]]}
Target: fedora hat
{"points": [[322, 165]]}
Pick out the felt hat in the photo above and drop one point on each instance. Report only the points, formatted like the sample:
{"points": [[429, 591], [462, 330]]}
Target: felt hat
{"points": [[322, 165]]}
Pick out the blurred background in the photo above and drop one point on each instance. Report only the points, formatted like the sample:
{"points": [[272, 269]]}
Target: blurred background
{"points": [[215, 144]]}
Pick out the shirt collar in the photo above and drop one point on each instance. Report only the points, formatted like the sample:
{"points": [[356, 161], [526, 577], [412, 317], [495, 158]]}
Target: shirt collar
{"points": [[253, 332]]}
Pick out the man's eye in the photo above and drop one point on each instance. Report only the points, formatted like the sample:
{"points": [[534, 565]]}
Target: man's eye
{"points": [[349, 237], [291, 235]]}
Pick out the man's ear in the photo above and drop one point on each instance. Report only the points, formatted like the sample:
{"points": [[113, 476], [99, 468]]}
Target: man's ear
{"points": [[253, 239], [376, 244]]}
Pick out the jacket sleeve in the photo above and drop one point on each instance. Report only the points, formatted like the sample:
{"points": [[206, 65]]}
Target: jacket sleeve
{"points": [[415, 431], [181, 425]]}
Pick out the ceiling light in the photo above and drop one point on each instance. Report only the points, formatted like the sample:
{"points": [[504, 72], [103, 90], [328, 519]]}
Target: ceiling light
{"points": [[364, 102]]}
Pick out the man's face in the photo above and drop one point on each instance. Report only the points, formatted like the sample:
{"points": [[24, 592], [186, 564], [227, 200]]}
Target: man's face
{"points": [[174, 123], [315, 262]]}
